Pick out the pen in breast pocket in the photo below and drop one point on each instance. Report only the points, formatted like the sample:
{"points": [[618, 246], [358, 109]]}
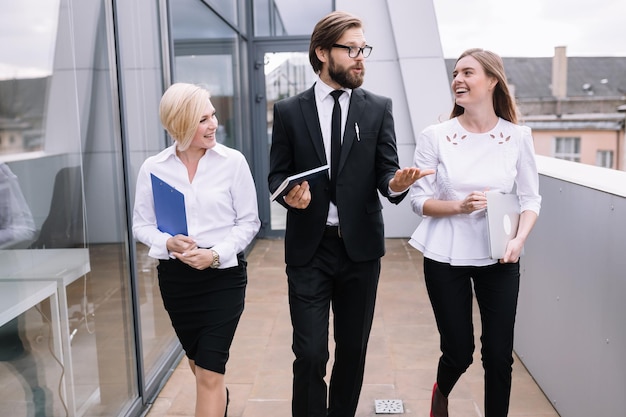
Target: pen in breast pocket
{"points": [[356, 128]]}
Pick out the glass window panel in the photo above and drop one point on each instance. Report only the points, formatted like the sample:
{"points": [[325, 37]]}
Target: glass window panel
{"points": [[215, 72], [28, 33], [74, 189], [286, 74], [243, 16], [157, 335], [288, 17], [209, 58], [262, 21], [567, 148], [604, 159], [226, 8], [193, 20], [27, 25], [30, 375], [279, 25]]}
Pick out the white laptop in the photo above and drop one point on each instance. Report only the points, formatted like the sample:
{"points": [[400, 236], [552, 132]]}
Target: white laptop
{"points": [[503, 212]]}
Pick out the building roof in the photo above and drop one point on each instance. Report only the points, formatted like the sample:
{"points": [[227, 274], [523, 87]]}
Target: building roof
{"points": [[23, 98], [586, 76]]}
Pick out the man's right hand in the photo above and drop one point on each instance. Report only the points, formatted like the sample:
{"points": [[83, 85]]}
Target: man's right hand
{"points": [[299, 197]]}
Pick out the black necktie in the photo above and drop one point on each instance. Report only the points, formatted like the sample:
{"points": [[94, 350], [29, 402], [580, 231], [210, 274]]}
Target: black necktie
{"points": [[335, 144]]}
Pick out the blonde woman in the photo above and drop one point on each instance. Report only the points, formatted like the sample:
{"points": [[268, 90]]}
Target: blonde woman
{"points": [[202, 275]]}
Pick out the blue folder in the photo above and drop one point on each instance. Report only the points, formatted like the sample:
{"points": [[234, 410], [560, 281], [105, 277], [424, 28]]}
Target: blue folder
{"points": [[169, 207]]}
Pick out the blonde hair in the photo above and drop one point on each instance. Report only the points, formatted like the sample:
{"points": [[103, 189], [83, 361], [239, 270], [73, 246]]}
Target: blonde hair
{"points": [[181, 108], [503, 101]]}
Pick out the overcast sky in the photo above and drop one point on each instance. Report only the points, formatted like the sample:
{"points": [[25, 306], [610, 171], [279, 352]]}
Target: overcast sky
{"points": [[28, 31], [532, 28], [511, 28]]}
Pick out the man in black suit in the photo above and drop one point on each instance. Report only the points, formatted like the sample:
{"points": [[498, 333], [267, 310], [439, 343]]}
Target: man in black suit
{"points": [[335, 233]]}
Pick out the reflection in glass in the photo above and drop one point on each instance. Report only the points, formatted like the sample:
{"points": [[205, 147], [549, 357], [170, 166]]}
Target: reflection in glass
{"points": [[32, 25], [75, 191], [157, 335], [26, 60], [64, 224], [207, 54], [215, 72], [226, 8], [288, 17], [99, 304], [16, 220], [193, 20], [286, 74], [30, 375]]}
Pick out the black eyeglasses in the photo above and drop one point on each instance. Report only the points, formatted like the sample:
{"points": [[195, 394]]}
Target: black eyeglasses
{"points": [[354, 51]]}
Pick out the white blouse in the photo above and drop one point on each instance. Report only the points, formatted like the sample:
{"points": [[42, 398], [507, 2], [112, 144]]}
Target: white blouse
{"points": [[500, 160], [220, 202]]}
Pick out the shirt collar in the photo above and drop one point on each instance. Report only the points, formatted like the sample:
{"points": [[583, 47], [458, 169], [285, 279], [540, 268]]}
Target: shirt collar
{"points": [[170, 152], [219, 149], [323, 90]]}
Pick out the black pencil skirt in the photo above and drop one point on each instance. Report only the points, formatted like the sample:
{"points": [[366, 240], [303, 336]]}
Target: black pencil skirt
{"points": [[205, 307]]}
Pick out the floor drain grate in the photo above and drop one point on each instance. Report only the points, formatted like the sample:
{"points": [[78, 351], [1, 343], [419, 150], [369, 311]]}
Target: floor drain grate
{"points": [[389, 406]]}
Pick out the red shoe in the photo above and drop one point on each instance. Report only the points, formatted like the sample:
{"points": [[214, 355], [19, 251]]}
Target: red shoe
{"points": [[438, 404]]}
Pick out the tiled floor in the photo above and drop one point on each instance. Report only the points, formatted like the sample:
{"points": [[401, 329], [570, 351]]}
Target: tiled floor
{"points": [[402, 355]]}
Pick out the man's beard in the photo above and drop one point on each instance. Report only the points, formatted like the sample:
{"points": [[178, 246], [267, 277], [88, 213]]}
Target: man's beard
{"points": [[343, 77]]}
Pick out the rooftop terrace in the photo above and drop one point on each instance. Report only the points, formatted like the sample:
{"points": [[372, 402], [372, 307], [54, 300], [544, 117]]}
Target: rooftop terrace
{"points": [[402, 356]]}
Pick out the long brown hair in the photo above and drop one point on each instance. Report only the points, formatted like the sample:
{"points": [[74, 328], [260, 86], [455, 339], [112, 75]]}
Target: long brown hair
{"points": [[503, 102], [327, 31]]}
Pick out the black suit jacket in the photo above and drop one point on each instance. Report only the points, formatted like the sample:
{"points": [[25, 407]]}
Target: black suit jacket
{"points": [[366, 165]]}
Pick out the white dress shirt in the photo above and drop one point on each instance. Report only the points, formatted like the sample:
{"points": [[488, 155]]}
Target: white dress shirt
{"points": [[220, 202], [502, 159], [325, 103]]}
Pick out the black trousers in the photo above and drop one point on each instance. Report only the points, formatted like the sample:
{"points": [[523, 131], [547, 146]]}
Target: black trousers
{"points": [[330, 279], [450, 291]]}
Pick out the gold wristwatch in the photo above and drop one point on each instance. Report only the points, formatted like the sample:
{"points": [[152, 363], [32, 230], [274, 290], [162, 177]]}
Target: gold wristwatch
{"points": [[216, 260]]}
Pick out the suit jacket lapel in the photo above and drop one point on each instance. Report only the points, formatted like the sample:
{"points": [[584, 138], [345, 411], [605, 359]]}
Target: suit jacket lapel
{"points": [[357, 105], [311, 119]]}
